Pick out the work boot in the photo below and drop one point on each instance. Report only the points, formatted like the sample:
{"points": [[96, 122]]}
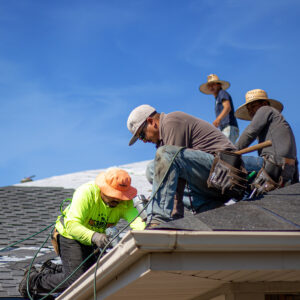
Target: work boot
{"points": [[23, 283], [50, 267]]}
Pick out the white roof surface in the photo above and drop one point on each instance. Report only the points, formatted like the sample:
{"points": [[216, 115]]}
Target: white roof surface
{"points": [[74, 180]]}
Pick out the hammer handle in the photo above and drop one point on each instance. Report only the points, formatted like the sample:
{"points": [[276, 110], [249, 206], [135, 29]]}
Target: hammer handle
{"points": [[255, 147]]}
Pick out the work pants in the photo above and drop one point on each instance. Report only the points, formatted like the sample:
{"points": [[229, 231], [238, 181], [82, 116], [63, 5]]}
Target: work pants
{"points": [[193, 166], [72, 254], [231, 132]]}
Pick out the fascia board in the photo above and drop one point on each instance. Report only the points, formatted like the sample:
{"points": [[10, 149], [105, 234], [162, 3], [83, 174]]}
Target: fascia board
{"points": [[136, 244], [165, 241]]}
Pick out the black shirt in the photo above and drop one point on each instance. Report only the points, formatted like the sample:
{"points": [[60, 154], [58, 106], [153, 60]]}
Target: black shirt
{"points": [[229, 119]]}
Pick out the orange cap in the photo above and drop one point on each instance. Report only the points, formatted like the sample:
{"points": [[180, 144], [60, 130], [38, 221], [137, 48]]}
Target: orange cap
{"points": [[116, 183]]}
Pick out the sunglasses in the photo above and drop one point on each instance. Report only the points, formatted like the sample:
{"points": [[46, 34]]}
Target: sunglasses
{"points": [[110, 201], [142, 135]]}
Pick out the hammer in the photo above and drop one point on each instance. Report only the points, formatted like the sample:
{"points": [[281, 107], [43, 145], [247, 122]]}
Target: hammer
{"points": [[264, 144]]}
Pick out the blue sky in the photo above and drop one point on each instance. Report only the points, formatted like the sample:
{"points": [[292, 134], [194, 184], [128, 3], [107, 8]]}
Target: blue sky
{"points": [[71, 72]]}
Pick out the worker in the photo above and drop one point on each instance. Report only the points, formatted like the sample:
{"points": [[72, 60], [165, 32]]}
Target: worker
{"points": [[280, 166], [191, 166], [95, 206], [224, 109]]}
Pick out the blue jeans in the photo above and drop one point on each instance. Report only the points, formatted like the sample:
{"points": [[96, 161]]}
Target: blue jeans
{"points": [[193, 166]]}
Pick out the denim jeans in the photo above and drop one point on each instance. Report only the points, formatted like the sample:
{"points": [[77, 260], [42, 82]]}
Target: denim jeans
{"points": [[193, 166], [232, 132], [72, 254]]}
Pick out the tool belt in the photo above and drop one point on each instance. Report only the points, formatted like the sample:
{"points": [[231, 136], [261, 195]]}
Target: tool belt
{"points": [[54, 241], [273, 176], [228, 175]]}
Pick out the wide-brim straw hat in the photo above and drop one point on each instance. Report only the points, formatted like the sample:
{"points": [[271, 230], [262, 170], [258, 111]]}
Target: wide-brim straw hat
{"points": [[252, 96], [210, 79], [116, 183]]}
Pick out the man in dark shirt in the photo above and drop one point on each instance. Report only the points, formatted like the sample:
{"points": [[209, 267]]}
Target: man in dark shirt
{"points": [[192, 165], [224, 109], [267, 123]]}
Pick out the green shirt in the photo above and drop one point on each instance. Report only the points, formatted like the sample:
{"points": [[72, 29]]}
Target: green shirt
{"points": [[88, 214]]}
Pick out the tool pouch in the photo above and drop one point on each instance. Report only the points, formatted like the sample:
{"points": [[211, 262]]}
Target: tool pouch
{"points": [[287, 174], [228, 175], [54, 241], [263, 183]]}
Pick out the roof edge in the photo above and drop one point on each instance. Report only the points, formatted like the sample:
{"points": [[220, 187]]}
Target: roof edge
{"points": [[138, 243]]}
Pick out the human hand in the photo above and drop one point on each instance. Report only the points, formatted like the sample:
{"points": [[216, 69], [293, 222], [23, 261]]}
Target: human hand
{"points": [[99, 239], [216, 123]]}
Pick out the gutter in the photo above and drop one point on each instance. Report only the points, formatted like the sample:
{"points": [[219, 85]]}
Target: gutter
{"points": [[136, 244]]}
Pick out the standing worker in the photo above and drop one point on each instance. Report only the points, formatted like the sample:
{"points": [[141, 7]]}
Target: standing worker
{"points": [[225, 119], [280, 165], [95, 206]]}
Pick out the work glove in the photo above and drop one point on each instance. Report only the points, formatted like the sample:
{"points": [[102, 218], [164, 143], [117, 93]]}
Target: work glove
{"points": [[99, 239]]}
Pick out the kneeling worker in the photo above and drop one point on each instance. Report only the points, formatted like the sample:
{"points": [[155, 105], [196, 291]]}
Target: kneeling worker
{"points": [[267, 123], [95, 206]]}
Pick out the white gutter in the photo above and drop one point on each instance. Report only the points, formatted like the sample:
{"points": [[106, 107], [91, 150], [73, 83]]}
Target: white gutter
{"points": [[135, 244]]}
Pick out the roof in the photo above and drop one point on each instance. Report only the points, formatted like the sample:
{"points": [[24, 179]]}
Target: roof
{"points": [[249, 241], [279, 210], [74, 180], [29, 207], [23, 212]]}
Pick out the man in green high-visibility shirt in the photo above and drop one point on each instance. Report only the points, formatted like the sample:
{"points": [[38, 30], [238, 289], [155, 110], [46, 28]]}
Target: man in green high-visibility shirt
{"points": [[95, 207]]}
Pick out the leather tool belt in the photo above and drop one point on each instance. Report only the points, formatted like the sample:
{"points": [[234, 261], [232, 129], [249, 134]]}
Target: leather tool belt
{"points": [[228, 175], [54, 241], [263, 183], [273, 176]]}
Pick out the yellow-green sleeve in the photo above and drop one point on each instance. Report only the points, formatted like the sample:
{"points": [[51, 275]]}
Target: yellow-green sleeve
{"points": [[129, 214], [78, 215]]}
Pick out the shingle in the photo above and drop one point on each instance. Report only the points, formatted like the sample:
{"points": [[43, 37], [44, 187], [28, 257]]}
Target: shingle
{"points": [[279, 210], [23, 212]]}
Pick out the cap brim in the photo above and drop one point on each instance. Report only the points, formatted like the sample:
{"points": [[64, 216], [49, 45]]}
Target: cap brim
{"points": [[133, 140]]}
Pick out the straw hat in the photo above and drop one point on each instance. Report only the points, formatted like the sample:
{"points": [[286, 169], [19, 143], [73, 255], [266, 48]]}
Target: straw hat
{"points": [[252, 96], [210, 79], [116, 183]]}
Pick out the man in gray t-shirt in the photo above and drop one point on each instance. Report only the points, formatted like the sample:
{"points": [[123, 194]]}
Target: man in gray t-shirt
{"points": [[190, 165], [267, 123]]}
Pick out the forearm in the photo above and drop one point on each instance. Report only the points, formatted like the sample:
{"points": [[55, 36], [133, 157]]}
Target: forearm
{"points": [[79, 232], [254, 129], [224, 113], [245, 140]]}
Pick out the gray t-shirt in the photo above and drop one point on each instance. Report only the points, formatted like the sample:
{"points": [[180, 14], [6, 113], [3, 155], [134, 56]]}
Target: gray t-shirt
{"points": [[269, 124], [181, 129]]}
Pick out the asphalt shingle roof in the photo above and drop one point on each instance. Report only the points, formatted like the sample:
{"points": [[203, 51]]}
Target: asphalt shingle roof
{"points": [[278, 210], [23, 212]]}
